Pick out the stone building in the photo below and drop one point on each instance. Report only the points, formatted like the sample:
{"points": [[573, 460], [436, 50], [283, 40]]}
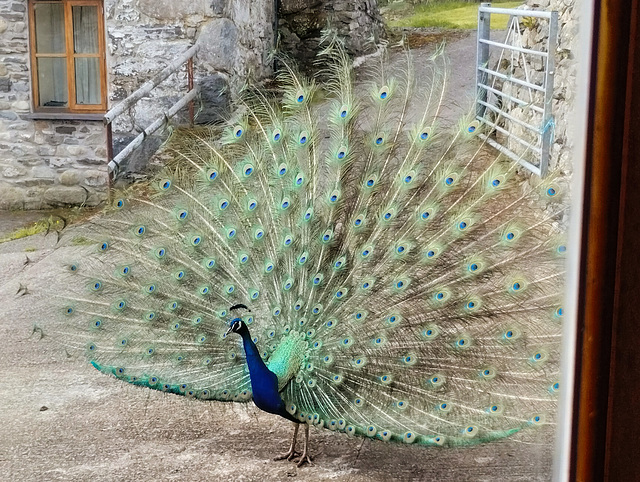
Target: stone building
{"points": [[64, 63]]}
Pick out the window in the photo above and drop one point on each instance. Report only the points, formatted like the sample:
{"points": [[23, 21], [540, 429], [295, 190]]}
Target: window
{"points": [[68, 55]]}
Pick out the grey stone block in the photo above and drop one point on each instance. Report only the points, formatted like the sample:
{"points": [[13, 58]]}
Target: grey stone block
{"points": [[214, 98], [5, 84], [218, 45], [8, 115], [66, 195], [11, 197]]}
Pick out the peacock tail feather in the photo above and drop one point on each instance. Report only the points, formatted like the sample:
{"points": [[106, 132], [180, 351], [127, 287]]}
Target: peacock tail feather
{"points": [[404, 281]]}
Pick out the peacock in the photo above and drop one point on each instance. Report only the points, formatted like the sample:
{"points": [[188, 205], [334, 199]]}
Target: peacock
{"points": [[340, 257]]}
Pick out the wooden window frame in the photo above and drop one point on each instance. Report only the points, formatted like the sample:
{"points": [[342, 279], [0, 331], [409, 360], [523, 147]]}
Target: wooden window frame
{"points": [[70, 56]]}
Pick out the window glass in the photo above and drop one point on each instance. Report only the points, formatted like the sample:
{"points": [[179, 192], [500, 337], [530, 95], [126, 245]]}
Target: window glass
{"points": [[49, 19], [85, 29], [87, 71], [52, 82]]}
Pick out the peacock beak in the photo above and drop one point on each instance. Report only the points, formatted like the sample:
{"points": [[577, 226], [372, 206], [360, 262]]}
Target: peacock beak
{"points": [[229, 330]]}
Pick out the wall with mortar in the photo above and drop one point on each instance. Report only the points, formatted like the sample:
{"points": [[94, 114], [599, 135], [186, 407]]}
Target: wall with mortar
{"points": [[47, 163], [300, 23], [535, 35]]}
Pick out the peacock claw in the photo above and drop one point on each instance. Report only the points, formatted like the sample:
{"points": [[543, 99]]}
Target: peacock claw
{"points": [[304, 458], [290, 455]]}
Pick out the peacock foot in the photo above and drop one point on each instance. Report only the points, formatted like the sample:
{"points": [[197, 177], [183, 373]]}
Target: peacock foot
{"points": [[290, 455], [305, 458]]}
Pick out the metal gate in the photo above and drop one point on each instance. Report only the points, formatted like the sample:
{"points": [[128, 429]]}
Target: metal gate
{"points": [[514, 98]]}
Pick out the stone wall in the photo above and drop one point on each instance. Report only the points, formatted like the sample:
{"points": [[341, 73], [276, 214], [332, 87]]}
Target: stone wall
{"points": [[300, 23], [43, 163], [47, 163]]}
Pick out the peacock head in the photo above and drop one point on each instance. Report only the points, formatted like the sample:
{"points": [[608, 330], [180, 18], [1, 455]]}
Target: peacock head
{"points": [[236, 323]]}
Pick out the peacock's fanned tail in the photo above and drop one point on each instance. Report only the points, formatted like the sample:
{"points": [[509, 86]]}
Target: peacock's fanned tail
{"points": [[404, 281]]}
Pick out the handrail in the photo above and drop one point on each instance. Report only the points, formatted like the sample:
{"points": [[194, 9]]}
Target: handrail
{"points": [[122, 155], [145, 89], [149, 85]]}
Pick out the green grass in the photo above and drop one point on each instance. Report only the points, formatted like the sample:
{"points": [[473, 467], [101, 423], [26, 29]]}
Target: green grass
{"points": [[460, 15], [35, 228]]}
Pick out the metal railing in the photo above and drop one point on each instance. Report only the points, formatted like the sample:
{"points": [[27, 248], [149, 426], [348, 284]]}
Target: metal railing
{"points": [[501, 96], [145, 89]]}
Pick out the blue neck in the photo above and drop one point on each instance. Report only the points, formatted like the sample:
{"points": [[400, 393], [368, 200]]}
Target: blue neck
{"points": [[264, 383]]}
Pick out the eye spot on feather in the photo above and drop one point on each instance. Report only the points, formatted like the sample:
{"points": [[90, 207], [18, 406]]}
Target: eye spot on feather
{"points": [[303, 138], [165, 185], [343, 113], [252, 205], [140, 230], [383, 93], [562, 249], [436, 381], [300, 98], [277, 135], [223, 204], [495, 182], [538, 357], [462, 343], [268, 267], [259, 233], [424, 135], [238, 132], [120, 305], [487, 373], [95, 286], [379, 140], [371, 182], [231, 233], [97, 323], [551, 192], [385, 379], [559, 312], [182, 214], [248, 170], [342, 152], [119, 203], [308, 214], [299, 180], [462, 225], [209, 263], [196, 240], [212, 174]]}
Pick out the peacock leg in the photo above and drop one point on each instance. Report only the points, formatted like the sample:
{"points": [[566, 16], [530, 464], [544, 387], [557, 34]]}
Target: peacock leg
{"points": [[305, 457], [292, 450]]}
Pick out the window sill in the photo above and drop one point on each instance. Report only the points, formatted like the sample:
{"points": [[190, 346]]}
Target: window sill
{"points": [[62, 116]]}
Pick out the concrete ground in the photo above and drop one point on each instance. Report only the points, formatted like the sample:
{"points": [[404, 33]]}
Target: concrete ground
{"points": [[61, 420]]}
